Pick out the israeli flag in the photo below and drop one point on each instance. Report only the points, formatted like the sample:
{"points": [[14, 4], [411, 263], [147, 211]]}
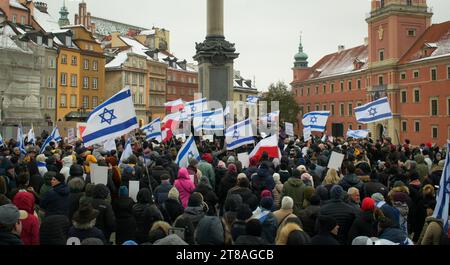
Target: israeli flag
{"points": [[357, 134], [53, 137], [239, 134], [153, 130], [252, 99], [112, 119], [20, 141], [374, 111], [187, 152], [31, 137], [441, 210], [2, 143], [209, 120], [196, 106], [317, 120], [306, 133], [270, 118], [127, 152]]}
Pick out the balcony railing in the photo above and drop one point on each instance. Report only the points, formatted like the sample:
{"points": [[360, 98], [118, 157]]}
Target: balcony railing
{"points": [[401, 8]]}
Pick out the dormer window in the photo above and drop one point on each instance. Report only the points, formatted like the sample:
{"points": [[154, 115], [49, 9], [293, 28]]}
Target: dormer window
{"points": [[39, 40], [411, 32], [50, 42], [68, 41]]}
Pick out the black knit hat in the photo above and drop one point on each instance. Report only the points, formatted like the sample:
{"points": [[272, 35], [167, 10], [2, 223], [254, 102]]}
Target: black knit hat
{"points": [[85, 214], [253, 227], [327, 223], [195, 200]]}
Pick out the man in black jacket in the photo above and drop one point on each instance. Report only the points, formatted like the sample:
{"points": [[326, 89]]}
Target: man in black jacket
{"points": [[56, 201], [328, 229], [10, 225], [341, 211]]}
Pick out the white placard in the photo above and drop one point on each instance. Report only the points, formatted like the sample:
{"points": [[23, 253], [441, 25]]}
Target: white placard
{"points": [[182, 136], [307, 134], [99, 175], [71, 137], [289, 127], [244, 159], [209, 137], [109, 145], [133, 189], [336, 160]]}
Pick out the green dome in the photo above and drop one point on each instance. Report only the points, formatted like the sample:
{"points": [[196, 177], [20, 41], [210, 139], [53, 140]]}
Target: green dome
{"points": [[301, 56]]}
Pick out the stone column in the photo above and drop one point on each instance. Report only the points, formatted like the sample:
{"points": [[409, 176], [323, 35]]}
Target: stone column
{"points": [[214, 18]]}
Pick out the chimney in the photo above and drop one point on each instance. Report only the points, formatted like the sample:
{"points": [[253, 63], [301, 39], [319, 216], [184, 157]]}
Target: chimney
{"points": [[341, 48], [41, 6], [76, 22], [366, 41]]}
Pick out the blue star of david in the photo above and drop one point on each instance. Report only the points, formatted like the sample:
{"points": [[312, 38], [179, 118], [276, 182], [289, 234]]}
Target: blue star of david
{"points": [[269, 118], [373, 112], [150, 129], [207, 121], [313, 120], [193, 108], [191, 155], [104, 118], [236, 135]]}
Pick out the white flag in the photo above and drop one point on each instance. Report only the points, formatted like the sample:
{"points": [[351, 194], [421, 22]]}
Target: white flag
{"points": [[187, 152], [112, 119], [127, 152], [31, 137], [374, 111], [239, 134]]}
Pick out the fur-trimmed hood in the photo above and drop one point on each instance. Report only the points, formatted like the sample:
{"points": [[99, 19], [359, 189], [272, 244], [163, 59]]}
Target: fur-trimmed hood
{"points": [[282, 237]]}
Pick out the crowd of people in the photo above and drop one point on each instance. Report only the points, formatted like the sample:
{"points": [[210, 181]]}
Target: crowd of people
{"points": [[383, 194]]}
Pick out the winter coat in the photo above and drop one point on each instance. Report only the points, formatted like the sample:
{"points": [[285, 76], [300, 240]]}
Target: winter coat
{"points": [[324, 239], [364, 225], [209, 231], [171, 209], [262, 181], [82, 234], [209, 197], [161, 192], [247, 196], [344, 215], [284, 175], [295, 188], [246, 240], [250, 171], [421, 167], [157, 172], [281, 216], [276, 193], [145, 215], [184, 185], [238, 229], [53, 230], [285, 230], [9, 239], [194, 214], [226, 184], [372, 187], [74, 202], [432, 232], [208, 171], [308, 218], [126, 224], [269, 225], [220, 174], [30, 226], [56, 201], [395, 235], [67, 163], [351, 180], [106, 221]]}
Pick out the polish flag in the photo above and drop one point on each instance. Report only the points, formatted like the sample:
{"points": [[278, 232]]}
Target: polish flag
{"points": [[268, 145], [175, 105], [166, 135], [171, 121]]}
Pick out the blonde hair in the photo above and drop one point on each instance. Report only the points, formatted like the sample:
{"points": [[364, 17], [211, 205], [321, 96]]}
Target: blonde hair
{"points": [[164, 226], [332, 177]]}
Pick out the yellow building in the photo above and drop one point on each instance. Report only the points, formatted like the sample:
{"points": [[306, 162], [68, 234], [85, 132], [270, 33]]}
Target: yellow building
{"points": [[81, 73], [242, 89], [155, 38]]}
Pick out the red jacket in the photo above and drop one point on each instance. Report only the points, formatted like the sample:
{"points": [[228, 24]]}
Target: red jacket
{"points": [[30, 227]]}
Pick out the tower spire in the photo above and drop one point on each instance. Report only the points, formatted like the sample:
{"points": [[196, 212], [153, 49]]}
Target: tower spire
{"points": [[64, 19], [301, 58]]}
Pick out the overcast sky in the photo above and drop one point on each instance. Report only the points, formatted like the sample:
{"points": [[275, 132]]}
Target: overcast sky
{"points": [[266, 32]]}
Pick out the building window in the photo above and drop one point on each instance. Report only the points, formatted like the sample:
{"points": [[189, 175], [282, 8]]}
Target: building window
{"points": [[342, 86], [434, 132], [411, 32], [63, 101], [359, 104], [86, 82], [86, 64], [359, 127], [95, 65], [332, 88], [301, 91], [63, 59], [141, 79], [74, 60], [51, 63], [63, 79], [50, 102], [332, 109], [416, 95], [381, 55], [73, 80], [448, 72], [416, 74], [41, 102], [448, 106], [85, 102], [316, 90], [404, 126], [403, 96], [409, 2], [382, 3], [380, 80], [14, 19], [50, 43], [141, 96], [134, 78], [403, 76], [358, 84], [350, 109], [433, 73], [51, 82], [350, 126], [349, 85], [94, 102], [94, 83], [434, 106], [302, 111], [151, 84], [324, 89], [127, 78], [324, 107], [39, 40], [341, 110], [308, 108], [307, 91], [317, 108], [73, 101], [22, 21], [68, 41], [416, 126]]}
